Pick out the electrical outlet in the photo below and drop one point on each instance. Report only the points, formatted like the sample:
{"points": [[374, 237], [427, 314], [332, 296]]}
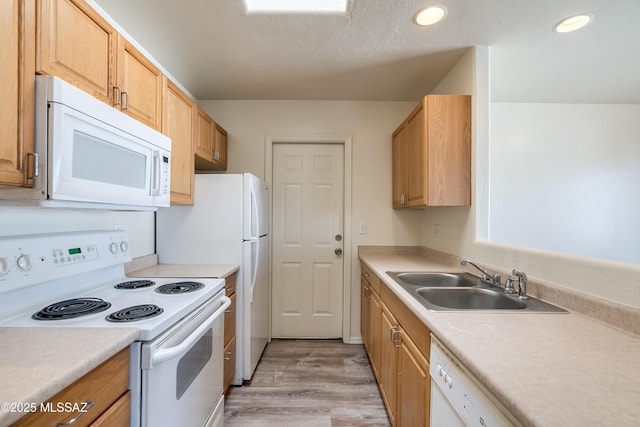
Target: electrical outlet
{"points": [[436, 230]]}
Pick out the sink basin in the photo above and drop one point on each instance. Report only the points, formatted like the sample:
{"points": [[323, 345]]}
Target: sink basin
{"points": [[439, 291], [428, 279], [470, 299]]}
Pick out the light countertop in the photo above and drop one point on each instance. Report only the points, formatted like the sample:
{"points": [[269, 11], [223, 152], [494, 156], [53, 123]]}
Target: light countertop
{"points": [[37, 363], [546, 369], [186, 270]]}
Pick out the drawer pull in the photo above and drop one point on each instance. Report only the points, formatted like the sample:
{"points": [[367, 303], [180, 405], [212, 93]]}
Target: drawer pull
{"points": [[90, 404]]}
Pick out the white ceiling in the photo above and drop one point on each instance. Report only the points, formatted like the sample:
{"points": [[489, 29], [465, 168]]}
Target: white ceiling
{"points": [[375, 52]]}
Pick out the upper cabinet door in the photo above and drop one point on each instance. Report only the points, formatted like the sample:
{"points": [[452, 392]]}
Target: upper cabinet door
{"points": [[139, 85], [177, 123], [220, 147], [17, 32], [204, 139], [210, 143], [432, 154], [78, 45]]}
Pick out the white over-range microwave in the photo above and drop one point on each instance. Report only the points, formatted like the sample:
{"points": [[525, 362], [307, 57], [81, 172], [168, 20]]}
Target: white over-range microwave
{"points": [[90, 155]]}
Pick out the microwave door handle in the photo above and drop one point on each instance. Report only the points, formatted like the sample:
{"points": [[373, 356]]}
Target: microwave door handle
{"points": [[164, 354], [155, 173]]}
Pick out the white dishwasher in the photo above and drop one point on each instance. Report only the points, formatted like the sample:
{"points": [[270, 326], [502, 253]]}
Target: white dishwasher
{"points": [[455, 399]]}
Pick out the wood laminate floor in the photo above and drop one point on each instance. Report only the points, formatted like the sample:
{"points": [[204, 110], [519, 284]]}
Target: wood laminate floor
{"points": [[308, 383]]}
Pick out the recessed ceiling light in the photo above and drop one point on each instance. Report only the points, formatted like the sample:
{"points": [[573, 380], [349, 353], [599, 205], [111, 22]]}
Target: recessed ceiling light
{"points": [[429, 15], [296, 6], [573, 23]]}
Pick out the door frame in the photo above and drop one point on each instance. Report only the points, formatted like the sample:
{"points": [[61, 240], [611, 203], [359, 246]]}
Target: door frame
{"points": [[345, 141]]}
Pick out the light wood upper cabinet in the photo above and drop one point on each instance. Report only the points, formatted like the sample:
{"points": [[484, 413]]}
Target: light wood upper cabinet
{"points": [[204, 139], [400, 166], [139, 87], [210, 143], [432, 154], [177, 124], [76, 44], [220, 148], [17, 55]]}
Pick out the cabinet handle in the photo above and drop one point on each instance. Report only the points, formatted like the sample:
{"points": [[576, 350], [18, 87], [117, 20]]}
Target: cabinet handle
{"points": [[367, 292], [117, 98], [227, 355], [392, 335], [35, 165], [126, 101], [90, 404]]}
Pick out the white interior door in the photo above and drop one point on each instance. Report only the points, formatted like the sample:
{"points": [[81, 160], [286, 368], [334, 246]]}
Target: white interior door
{"points": [[308, 212]]}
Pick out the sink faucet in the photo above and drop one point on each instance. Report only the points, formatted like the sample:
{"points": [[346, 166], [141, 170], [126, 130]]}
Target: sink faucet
{"points": [[486, 277], [522, 283]]}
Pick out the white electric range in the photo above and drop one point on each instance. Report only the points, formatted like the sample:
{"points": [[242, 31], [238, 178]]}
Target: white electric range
{"points": [[78, 280]]}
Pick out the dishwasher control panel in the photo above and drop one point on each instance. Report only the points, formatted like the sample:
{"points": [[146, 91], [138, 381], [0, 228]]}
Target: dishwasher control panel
{"points": [[460, 392]]}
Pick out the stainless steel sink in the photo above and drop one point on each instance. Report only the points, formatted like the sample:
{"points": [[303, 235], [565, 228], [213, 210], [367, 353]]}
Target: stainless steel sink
{"points": [[465, 292], [430, 279], [470, 299]]}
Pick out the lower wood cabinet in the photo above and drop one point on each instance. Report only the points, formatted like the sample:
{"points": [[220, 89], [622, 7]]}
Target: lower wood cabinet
{"points": [[414, 385], [398, 346], [102, 394], [230, 333], [388, 372]]}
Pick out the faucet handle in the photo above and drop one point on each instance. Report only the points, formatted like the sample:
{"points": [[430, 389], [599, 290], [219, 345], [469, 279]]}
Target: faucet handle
{"points": [[508, 285], [522, 283]]}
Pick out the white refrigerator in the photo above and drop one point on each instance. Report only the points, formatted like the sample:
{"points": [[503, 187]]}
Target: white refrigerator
{"points": [[227, 224]]}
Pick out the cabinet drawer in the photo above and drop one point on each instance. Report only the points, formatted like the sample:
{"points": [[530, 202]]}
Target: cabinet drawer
{"points": [[229, 363], [230, 320], [103, 386], [373, 280], [230, 284], [118, 414]]}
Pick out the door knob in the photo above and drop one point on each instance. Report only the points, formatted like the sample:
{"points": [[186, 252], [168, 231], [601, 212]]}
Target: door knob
{"points": [[338, 251], [338, 237]]}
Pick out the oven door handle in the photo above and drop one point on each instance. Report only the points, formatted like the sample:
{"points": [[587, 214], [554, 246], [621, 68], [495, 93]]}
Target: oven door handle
{"points": [[165, 354]]}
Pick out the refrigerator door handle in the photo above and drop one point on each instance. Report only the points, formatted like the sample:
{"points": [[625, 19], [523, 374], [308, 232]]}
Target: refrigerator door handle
{"points": [[255, 258], [255, 216]]}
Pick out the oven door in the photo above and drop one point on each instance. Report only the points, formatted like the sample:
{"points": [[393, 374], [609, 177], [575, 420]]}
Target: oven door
{"points": [[182, 369], [92, 161]]}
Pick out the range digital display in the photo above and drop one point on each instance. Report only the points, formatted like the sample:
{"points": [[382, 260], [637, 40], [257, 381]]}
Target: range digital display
{"points": [[75, 251]]}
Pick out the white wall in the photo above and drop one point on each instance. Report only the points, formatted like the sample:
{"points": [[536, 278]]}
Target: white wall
{"points": [[464, 231], [565, 177], [370, 124]]}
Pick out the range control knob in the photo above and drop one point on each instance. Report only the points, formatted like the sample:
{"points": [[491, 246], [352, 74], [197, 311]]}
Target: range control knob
{"points": [[113, 247], [24, 262], [124, 246], [4, 266]]}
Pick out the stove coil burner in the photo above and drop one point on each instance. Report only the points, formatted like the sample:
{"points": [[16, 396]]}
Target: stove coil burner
{"points": [[136, 312], [179, 287], [135, 284], [71, 308]]}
